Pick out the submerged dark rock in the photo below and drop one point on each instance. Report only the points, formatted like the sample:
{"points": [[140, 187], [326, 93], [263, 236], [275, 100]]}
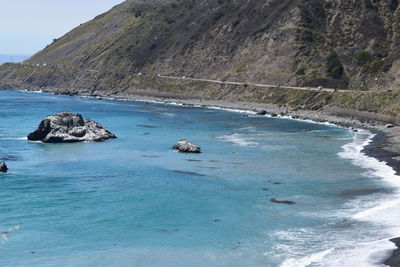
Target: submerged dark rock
{"points": [[10, 158], [147, 126], [193, 160], [184, 146], [3, 167], [189, 173], [287, 202], [66, 127]]}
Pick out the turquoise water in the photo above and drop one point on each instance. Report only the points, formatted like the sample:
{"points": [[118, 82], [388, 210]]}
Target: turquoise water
{"points": [[133, 201]]}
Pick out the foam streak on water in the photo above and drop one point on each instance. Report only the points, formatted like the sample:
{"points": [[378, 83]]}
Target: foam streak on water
{"points": [[237, 139]]}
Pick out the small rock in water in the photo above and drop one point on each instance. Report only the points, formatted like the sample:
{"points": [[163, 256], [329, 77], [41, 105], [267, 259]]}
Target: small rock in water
{"points": [[3, 167], [184, 146], [274, 115], [262, 112], [389, 126], [66, 127]]}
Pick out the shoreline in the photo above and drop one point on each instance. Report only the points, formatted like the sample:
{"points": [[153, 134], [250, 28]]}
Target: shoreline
{"points": [[384, 146]]}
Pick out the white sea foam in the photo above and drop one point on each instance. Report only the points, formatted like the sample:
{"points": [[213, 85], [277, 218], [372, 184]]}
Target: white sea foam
{"points": [[168, 114], [366, 254], [234, 110], [306, 260], [371, 214], [385, 214], [237, 139], [29, 91], [11, 138], [353, 151], [5, 235], [250, 112]]}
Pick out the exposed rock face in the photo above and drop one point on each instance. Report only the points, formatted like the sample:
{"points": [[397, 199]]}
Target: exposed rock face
{"points": [[66, 127], [184, 146], [3, 167]]}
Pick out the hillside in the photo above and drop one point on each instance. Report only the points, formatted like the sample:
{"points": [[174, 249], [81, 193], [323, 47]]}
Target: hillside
{"points": [[288, 42], [352, 44]]}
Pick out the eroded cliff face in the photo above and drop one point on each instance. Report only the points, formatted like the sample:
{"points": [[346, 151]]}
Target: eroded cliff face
{"points": [[351, 44], [363, 33]]}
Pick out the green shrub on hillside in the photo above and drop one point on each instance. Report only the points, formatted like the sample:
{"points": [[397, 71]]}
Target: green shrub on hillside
{"points": [[334, 67], [375, 66], [362, 57]]}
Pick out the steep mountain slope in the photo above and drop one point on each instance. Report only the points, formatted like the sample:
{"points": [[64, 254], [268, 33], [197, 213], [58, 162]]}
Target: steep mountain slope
{"points": [[334, 43]]}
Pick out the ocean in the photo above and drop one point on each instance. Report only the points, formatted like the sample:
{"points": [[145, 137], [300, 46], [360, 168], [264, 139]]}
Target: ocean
{"points": [[134, 201], [12, 58]]}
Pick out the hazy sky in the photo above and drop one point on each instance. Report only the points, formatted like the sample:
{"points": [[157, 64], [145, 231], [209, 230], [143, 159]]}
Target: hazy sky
{"points": [[27, 26]]}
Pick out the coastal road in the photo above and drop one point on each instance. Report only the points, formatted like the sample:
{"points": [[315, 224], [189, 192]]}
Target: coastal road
{"points": [[249, 84]]}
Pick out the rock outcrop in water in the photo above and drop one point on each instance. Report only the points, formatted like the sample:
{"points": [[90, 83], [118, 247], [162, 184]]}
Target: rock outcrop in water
{"points": [[66, 127], [184, 146], [3, 167]]}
